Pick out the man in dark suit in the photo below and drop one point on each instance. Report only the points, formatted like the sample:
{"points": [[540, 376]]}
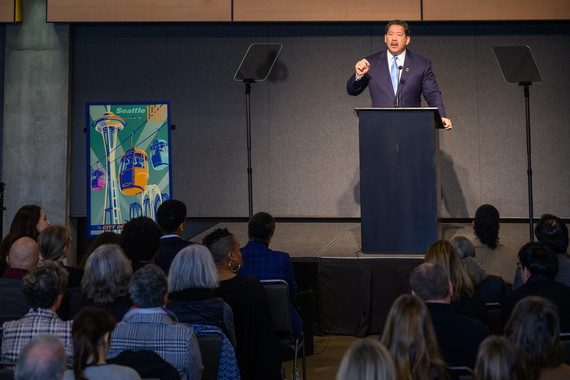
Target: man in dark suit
{"points": [[23, 256], [458, 336], [397, 71], [539, 267], [170, 216]]}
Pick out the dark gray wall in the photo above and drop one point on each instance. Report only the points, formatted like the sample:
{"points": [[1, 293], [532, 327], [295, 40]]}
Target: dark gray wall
{"points": [[305, 140], [2, 65]]}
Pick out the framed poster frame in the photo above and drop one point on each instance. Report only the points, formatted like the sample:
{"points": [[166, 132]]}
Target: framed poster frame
{"points": [[128, 162]]}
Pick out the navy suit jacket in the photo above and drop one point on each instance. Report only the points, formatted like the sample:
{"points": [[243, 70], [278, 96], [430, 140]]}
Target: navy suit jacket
{"points": [[168, 249], [416, 78]]}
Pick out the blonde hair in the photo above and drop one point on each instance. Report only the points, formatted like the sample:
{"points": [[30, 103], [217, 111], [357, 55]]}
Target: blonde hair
{"points": [[410, 338], [366, 359], [52, 242], [443, 254]]}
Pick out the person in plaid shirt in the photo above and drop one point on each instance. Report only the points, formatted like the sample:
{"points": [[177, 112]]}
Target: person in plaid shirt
{"points": [[43, 287], [149, 326]]}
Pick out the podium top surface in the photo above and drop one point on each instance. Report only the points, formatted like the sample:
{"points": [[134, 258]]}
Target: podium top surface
{"points": [[436, 117]]}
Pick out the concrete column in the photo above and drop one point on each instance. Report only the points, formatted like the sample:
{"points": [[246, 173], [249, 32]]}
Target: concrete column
{"points": [[35, 150]]}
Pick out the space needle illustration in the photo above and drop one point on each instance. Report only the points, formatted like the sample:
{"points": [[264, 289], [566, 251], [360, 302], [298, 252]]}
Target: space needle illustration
{"points": [[109, 125]]}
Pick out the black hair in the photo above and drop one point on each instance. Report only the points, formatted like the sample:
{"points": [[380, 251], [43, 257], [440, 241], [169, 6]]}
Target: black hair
{"points": [[261, 227], [140, 239], [170, 215]]}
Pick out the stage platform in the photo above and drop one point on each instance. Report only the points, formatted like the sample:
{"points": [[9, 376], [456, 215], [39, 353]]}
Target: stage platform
{"points": [[341, 290]]}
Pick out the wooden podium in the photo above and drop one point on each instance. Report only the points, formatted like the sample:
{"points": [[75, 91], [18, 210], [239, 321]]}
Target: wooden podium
{"points": [[399, 179]]}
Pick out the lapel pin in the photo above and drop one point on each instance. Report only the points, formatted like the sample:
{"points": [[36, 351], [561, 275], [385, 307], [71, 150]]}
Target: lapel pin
{"points": [[407, 69]]}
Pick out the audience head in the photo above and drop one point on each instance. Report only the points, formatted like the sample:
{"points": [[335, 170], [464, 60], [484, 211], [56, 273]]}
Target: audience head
{"points": [[54, 243], [24, 254], [29, 221], [443, 254], [410, 338], [261, 227], [193, 267], [537, 260], [44, 285], [140, 239], [475, 270], [430, 282], [106, 237], [553, 233], [463, 246], [148, 287], [534, 329], [498, 359], [170, 216], [225, 249], [91, 335], [366, 359], [486, 225], [43, 358], [107, 274]]}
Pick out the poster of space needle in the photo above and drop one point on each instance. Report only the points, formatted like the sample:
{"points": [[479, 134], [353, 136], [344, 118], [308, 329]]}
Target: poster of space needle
{"points": [[128, 162]]}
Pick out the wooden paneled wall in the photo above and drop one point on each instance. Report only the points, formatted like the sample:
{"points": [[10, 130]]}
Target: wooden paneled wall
{"points": [[483, 10], [300, 10], [138, 10], [10, 10]]}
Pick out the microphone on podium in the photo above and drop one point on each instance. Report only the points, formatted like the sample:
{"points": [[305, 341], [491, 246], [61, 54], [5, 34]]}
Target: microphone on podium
{"points": [[397, 100]]}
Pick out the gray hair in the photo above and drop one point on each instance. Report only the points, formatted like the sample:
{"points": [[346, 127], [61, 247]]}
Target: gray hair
{"points": [[107, 274], [52, 242], [43, 358], [463, 246], [193, 267], [44, 283], [148, 287]]}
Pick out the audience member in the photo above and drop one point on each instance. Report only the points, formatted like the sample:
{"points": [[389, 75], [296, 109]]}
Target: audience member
{"points": [[43, 287], [553, 233], [54, 243], [150, 326], [488, 286], [23, 257], [258, 349], [408, 335], [538, 268], [498, 259], [192, 278], [534, 329], [140, 240], [458, 336], [191, 283], [266, 264], [171, 217], [29, 221], [91, 333], [105, 283], [366, 359], [42, 358], [463, 296], [106, 237], [498, 359]]}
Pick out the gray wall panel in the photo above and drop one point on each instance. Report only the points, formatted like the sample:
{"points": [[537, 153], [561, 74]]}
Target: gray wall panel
{"points": [[304, 135]]}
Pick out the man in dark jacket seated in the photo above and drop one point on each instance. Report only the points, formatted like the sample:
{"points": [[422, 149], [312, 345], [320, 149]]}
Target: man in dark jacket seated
{"points": [[458, 336], [22, 258], [539, 267]]}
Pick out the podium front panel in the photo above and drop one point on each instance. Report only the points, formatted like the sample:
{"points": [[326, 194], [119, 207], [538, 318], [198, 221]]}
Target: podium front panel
{"points": [[398, 180]]}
